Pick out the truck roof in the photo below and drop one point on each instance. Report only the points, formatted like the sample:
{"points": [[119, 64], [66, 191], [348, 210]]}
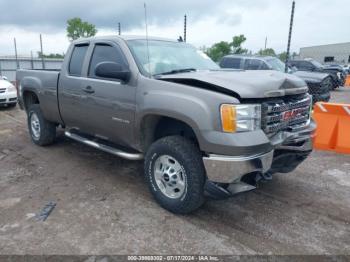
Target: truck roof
{"points": [[124, 37]]}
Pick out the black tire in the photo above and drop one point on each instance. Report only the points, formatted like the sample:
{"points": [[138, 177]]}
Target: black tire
{"points": [[187, 154], [47, 132]]}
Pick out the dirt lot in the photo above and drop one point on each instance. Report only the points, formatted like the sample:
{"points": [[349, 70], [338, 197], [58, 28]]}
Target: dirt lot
{"points": [[103, 206]]}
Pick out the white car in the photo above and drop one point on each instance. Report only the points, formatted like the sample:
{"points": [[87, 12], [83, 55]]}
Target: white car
{"points": [[8, 93]]}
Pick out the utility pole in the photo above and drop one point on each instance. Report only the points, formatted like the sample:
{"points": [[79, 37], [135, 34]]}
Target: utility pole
{"points": [[265, 43], [31, 60], [42, 53], [16, 56], [119, 31], [289, 36], [185, 27]]}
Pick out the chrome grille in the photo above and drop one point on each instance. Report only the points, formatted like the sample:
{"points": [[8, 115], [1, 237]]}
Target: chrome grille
{"points": [[289, 113], [2, 90]]}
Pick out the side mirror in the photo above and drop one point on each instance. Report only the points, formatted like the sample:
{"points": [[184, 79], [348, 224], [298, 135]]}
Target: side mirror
{"points": [[112, 70]]}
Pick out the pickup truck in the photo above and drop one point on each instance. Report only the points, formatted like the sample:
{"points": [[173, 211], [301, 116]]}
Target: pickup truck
{"points": [[201, 130], [311, 65]]}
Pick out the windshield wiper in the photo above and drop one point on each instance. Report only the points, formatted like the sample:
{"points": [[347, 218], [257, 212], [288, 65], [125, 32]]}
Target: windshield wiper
{"points": [[177, 71]]}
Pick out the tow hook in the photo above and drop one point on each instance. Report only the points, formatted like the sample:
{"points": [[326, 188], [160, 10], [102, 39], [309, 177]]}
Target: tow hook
{"points": [[267, 176]]}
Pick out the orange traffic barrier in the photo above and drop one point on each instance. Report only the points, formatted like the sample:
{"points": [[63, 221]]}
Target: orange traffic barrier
{"points": [[333, 127], [347, 81]]}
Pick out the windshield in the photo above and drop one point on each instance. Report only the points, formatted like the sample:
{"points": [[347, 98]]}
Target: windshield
{"points": [[166, 56], [276, 64]]}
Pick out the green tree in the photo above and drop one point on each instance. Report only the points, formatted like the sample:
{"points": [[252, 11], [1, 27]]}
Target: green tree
{"points": [[283, 56], [267, 52], [77, 28], [236, 44], [40, 55], [218, 50]]}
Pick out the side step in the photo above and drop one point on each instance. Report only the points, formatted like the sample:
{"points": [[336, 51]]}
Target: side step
{"points": [[108, 149]]}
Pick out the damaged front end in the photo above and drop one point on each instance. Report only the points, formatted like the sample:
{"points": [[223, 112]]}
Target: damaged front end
{"points": [[290, 135]]}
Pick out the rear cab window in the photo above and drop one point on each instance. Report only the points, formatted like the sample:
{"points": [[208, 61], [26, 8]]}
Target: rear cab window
{"points": [[77, 59]]}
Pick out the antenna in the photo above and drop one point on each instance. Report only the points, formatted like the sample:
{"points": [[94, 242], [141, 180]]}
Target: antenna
{"points": [[149, 61], [185, 27], [289, 36]]}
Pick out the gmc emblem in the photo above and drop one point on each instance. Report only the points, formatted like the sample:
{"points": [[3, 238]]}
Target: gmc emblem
{"points": [[288, 115]]}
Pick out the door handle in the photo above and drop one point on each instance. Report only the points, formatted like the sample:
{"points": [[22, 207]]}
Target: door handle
{"points": [[89, 90]]}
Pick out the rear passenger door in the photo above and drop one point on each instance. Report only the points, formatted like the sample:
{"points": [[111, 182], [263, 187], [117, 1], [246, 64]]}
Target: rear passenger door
{"points": [[70, 87]]}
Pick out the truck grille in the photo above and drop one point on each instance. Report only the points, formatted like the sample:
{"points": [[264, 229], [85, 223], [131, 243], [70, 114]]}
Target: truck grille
{"points": [[285, 114], [2, 90]]}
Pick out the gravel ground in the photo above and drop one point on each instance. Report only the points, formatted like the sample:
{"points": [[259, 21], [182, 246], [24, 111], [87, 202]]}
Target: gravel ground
{"points": [[104, 207]]}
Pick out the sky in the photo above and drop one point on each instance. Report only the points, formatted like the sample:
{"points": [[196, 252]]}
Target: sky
{"points": [[316, 22]]}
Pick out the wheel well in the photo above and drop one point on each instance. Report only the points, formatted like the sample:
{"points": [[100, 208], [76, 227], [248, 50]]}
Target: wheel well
{"points": [[30, 98], [156, 127]]}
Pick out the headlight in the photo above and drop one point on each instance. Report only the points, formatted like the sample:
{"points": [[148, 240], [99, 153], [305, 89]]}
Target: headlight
{"points": [[240, 118], [11, 88]]}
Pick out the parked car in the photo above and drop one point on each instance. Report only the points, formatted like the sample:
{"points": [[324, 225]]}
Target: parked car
{"points": [[346, 69], [202, 131], [337, 75], [319, 84], [8, 93]]}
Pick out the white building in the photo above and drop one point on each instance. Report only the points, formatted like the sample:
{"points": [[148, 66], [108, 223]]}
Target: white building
{"points": [[333, 53]]}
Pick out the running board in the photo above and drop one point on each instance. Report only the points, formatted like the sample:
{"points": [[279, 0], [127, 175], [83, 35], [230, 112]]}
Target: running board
{"points": [[108, 149]]}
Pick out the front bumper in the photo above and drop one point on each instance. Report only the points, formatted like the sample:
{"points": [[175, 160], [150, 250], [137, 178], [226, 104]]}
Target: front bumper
{"points": [[289, 150], [8, 98]]}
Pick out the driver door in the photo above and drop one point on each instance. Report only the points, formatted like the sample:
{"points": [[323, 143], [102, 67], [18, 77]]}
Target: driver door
{"points": [[108, 104]]}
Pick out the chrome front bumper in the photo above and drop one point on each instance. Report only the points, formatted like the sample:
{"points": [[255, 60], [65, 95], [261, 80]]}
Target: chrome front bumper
{"points": [[227, 169]]}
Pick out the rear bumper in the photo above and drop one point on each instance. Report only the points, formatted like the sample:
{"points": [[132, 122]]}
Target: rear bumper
{"points": [[287, 154]]}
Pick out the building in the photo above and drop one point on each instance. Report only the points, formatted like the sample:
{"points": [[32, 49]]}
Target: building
{"points": [[333, 53], [9, 65]]}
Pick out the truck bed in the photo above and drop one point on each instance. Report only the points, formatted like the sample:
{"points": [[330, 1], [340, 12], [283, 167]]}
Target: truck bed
{"points": [[45, 83]]}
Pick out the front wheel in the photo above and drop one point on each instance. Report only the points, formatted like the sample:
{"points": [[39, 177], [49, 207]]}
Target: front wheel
{"points": [[175, 174], [41, 131]]}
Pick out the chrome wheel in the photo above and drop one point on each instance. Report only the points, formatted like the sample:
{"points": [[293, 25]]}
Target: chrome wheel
{"points": [[170, 176], [35, 125]]}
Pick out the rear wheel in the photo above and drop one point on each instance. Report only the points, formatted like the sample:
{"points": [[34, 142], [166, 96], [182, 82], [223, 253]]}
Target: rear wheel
{"points": [[42, 132], [175, 174]]}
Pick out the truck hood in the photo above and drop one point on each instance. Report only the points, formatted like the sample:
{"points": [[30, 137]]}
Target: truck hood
{"points": [[315, 77], [242, 84]]}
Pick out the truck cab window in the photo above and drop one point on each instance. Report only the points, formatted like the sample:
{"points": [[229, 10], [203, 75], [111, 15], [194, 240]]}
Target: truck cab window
{"points": [[231, 62], [77, 59], [105, 53], [252, 64]]}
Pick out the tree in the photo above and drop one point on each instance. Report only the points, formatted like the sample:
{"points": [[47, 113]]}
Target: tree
{"points": [[267, 52], [40, 55], [218, 50], [283, 56], [77, 28], [236, 44]]}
